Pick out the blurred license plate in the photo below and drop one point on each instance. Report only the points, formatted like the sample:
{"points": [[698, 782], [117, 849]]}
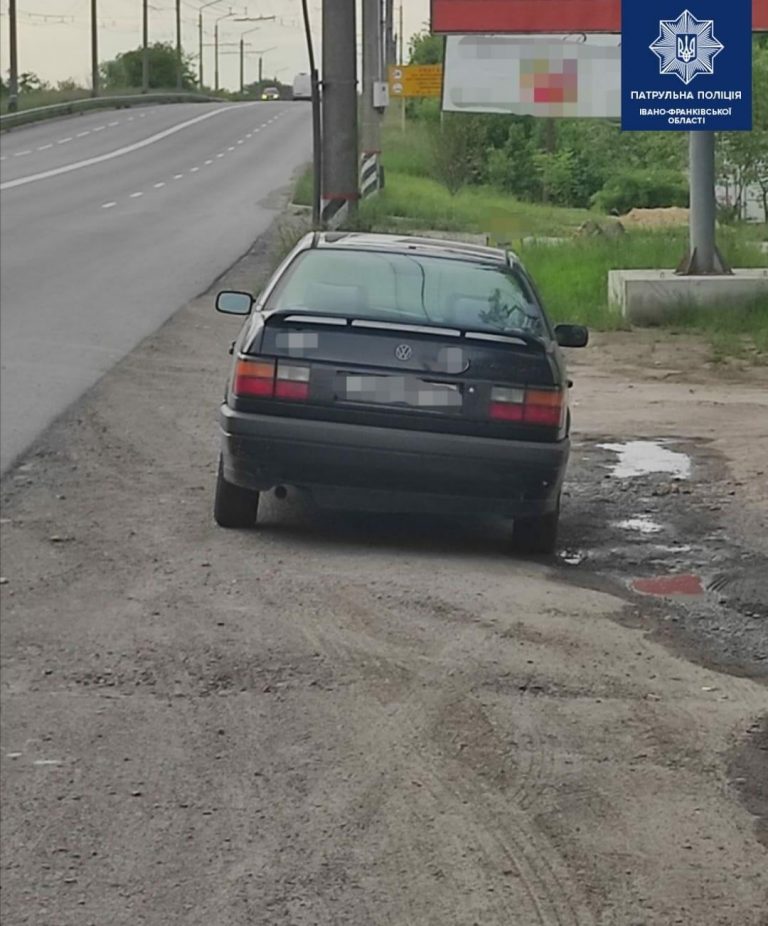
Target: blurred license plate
{"points": [[402, 390]]}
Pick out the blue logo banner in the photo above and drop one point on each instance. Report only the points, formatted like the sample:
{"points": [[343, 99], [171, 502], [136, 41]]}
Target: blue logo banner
{"points": [[686, 65]]}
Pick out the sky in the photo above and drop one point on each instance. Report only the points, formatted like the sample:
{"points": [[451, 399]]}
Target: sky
{"points": [[54, 35]]}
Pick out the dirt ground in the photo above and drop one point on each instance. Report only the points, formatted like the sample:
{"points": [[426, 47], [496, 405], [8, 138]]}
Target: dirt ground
{"points": [[341, 719]]}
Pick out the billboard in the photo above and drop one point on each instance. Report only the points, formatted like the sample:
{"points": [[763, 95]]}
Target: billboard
{"points": [[552, 16], [541, 75]]}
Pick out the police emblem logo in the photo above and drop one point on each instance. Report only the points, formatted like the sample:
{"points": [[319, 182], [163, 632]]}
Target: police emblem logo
{"points": [[686, 46]]}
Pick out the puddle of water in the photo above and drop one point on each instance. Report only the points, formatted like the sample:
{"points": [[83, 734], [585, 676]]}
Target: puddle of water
{"points": [[640, 457], [641, 523]]}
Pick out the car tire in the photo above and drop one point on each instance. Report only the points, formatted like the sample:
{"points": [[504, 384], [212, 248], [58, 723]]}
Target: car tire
{"points": [[234, 506], [536, 536]]}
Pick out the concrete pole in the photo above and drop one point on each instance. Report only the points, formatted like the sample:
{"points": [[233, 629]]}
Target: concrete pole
{"points": [[261, 70], [371, 120], [216, 58], [13, 81], [339, 156], [94, 49], [145, 46], [242, 64], [200, 49], [178, 45], [389, 32], [702, 215]]}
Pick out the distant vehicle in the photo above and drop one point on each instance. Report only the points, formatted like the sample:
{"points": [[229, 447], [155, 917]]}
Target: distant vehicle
{"points": [[270, 93], [381, 372], [302, 87]]}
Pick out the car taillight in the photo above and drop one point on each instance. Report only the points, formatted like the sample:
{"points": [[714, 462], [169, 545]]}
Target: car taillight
{"points": [[507, 404], [529, 406], [292, 382], [254, 378], [264, 379]]}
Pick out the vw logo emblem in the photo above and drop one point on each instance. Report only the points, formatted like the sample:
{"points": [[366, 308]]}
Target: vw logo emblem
{"points": [[403, 352]]}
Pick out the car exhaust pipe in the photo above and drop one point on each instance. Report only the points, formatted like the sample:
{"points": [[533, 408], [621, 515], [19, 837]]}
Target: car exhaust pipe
{"points": [[281, 492]]}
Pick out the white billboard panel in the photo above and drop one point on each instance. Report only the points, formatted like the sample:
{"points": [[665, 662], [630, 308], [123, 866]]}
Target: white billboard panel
{"points": [[533, 75]]}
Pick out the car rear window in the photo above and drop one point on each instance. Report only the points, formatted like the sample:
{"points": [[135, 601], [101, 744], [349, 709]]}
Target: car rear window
{"points": [[409, 288]]}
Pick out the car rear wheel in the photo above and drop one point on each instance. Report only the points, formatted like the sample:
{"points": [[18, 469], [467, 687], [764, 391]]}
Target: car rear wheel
{"points": [[233, 505], [536, 536]]}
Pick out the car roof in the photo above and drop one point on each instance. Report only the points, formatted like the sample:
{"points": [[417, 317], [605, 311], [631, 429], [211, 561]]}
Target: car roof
{"points": [[412, 244]]}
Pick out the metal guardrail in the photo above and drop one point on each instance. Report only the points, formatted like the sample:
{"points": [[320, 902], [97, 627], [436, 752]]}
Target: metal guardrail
{"points": [[38, 113]]}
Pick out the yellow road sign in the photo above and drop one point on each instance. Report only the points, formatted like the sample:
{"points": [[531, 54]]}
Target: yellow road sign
{"points": [[416, 80]]}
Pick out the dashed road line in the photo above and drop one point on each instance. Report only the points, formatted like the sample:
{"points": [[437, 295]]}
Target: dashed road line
{"points": [[157, 186], [45, 147], [136, 195], [108, 205], [99, 128], [194, 170], [208, 162], [110, 124], [178, 176], [20, 154], [220, 154], [63, 141], [83, 134]]}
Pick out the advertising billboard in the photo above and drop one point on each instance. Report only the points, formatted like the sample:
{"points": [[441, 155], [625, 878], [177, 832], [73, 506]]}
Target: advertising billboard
{"points": [[541, 75], [463, 17]]}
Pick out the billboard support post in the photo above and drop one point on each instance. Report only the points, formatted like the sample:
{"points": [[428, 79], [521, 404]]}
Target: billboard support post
{"points": [[703, 258]]}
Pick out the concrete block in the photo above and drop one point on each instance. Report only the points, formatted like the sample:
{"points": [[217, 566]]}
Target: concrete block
{"points": [[651, 297]]}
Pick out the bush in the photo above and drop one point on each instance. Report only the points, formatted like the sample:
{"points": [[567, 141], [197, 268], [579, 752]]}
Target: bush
{"points": [[641, 189]]}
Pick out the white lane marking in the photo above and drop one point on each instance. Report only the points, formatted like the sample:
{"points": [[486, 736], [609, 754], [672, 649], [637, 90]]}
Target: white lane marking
{"points": [[108, 205], [99, 128], [159, 185], [178, 176], [47, 762], [130, 118], [220, 154], [20, 154], [194, 170], [119, 152], [45, 147], [231, 148], [142, 115], [249, 135], [83, 134], [239, 141], [2, 157], [136, 195], [110, 124], [63, 141], [208, 162]]}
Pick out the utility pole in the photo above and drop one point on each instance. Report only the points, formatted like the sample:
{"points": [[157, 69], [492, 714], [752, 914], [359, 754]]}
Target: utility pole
{"points": [[200, 39], [261, 69], [13, 88], [370, 128], [94, 49], [145, 47], [339, 159], [216, 50], [389, 38], [178, 45], [317, 145]]}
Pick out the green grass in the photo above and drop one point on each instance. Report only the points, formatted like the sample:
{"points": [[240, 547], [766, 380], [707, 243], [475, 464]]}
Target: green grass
{"points": [[418, 202], [573, 277]]}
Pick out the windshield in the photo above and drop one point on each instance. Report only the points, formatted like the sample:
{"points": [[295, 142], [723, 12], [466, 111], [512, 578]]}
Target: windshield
{"points": [[409, 288]]}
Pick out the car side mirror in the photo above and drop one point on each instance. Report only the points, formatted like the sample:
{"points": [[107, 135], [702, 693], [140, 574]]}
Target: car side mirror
{"points": [[234, 303], [572, 335]]}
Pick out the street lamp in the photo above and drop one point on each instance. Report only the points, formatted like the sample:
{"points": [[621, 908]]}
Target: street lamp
{"points": [[216, 48], [200, 37]]}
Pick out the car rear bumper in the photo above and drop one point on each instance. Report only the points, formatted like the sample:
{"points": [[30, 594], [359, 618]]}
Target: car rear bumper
{"points": [[374, 468]]}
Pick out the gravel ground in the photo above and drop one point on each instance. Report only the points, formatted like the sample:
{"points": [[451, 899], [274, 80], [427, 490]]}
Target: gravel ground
{"points": [[344, 719]]}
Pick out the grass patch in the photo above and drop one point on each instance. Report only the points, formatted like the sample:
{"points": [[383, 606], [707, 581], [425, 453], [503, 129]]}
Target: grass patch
{"points": [[302, 195], [740, 331], [418, 202]]}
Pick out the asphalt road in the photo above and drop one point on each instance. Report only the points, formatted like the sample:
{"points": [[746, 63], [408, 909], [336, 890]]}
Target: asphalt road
{"points": [[113, 220]]}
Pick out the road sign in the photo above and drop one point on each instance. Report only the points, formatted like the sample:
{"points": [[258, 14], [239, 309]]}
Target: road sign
{"points": [[416, 80], [465, 17], [534, 75], [686, 65]]}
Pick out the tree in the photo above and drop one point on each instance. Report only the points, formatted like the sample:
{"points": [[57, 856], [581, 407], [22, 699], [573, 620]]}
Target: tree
{"points": [[29, 82], [425, 48], [126, 69]]}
